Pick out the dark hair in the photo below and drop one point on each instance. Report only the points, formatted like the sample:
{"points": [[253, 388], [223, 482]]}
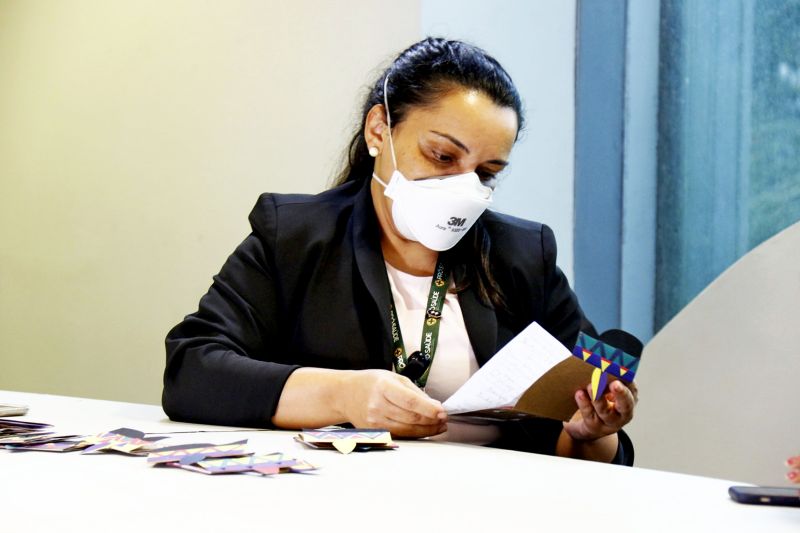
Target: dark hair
{"points": [[418, 77]]}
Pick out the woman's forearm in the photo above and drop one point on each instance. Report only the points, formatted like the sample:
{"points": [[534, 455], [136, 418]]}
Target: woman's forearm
{"points": [[371, 398], [311, 398]]}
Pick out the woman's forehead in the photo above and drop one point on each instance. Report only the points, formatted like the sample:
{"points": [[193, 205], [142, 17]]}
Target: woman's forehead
{"points": [[469, 116]]}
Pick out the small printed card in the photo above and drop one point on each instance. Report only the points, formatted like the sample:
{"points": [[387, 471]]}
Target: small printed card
{"points": [[230, 458], [122, 440], [347, 440], [269, 464]]}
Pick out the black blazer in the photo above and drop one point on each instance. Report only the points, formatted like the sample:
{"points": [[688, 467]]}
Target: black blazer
{"points": [[308, 287]]}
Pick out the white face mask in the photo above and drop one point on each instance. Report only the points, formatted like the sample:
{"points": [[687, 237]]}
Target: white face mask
{"points": [[436, 211]]}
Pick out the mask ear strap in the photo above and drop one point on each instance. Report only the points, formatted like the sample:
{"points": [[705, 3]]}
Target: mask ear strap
{"points": [[388, 118]]}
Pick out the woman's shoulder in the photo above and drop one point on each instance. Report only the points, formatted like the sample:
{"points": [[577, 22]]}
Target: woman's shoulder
{"points": [[510, 231], [288, 211]]}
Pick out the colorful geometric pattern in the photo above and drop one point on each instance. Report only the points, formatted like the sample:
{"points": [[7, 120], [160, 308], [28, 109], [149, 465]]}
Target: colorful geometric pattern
{"points": [[122, 440], [274, 463], [607, 360], [9, 426], [19, 435], [346, 440], [230, 458], [606, 357], [52, 446], [193, 453]]}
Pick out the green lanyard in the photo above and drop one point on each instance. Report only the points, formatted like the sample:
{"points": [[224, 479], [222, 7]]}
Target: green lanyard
{"points": [[417, 366]]}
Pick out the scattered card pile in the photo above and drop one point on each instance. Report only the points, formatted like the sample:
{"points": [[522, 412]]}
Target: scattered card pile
{"points": [[230, 458], [347, 440], [16, 435], [122, 440]]}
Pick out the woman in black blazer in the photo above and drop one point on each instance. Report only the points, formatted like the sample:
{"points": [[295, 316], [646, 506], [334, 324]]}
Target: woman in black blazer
{"points": [[299, 329]]}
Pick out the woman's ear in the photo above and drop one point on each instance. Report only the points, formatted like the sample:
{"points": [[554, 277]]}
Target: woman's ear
{"points": [[375, 128]]}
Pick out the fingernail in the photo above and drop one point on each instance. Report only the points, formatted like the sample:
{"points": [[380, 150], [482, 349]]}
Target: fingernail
{"points": [[442, 416], [793, 461], [791, 476]]}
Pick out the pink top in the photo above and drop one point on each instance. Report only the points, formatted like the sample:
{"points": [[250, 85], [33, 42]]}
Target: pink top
{"points": [[454, 360]]}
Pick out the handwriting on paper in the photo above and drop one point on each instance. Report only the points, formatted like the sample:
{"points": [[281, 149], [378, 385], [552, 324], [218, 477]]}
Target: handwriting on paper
{"points": [[506, 376]]}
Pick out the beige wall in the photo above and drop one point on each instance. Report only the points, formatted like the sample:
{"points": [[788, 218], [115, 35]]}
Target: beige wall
{"points": [[134, 139], [535, 42]]}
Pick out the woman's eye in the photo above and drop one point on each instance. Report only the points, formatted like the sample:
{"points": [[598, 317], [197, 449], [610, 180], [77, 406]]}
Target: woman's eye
{"points": [[442, 158]]}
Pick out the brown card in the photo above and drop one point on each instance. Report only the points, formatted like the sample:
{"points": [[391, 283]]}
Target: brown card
{"points": [[550, 396]]}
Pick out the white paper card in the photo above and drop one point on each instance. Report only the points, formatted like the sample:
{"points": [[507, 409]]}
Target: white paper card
{"points": [[502, 380], [7, 409]]}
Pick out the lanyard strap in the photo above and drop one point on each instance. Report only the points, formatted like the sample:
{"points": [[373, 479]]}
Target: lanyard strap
{"points": [[417, 365]]}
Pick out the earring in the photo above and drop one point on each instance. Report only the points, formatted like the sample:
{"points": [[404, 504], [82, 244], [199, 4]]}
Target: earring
{"points": [[373, 151]]}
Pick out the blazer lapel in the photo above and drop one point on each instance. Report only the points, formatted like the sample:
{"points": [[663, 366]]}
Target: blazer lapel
{"points": [[481, 323], [480, 320], [370, 264]]}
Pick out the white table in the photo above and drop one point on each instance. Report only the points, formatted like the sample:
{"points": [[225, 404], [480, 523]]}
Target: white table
{"points": [[422, 486]]}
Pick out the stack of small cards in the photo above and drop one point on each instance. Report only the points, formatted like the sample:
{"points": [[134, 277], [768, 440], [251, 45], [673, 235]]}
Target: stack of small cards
{"points": [[230, 458], [19, 434], [123, 440], [347, 440]]}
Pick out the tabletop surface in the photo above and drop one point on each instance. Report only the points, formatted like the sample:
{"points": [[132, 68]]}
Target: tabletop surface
{"points": [[421, 485]]}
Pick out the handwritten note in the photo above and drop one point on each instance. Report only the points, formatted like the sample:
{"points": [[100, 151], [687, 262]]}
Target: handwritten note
{"points": [[503, 379]]}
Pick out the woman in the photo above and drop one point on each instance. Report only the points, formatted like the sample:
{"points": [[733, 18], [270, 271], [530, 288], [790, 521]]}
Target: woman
{"points": [[330, 311]]}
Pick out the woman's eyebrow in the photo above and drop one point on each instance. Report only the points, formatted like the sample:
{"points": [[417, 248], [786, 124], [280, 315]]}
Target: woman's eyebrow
{"points": [[461, 145], [452, 140]]}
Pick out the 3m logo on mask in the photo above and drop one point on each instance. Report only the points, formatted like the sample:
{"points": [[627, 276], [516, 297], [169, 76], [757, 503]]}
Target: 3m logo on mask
{"points": [[457, 222]]}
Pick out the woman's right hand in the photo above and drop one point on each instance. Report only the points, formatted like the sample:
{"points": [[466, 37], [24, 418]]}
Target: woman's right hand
{"points": [[793, 474], [383, 399]]}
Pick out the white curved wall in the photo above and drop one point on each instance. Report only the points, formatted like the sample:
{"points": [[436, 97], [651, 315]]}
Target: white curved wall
{"points": [[719, 383]]}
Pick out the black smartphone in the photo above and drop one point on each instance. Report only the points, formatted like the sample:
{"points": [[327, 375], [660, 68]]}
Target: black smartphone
{"points": [[766, 495]]}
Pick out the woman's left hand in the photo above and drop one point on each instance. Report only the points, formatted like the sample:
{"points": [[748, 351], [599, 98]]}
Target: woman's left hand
{"points": [[604, 416]]}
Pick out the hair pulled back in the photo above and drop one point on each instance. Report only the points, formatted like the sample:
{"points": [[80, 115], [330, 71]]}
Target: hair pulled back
{"points": [[422, 74]]}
